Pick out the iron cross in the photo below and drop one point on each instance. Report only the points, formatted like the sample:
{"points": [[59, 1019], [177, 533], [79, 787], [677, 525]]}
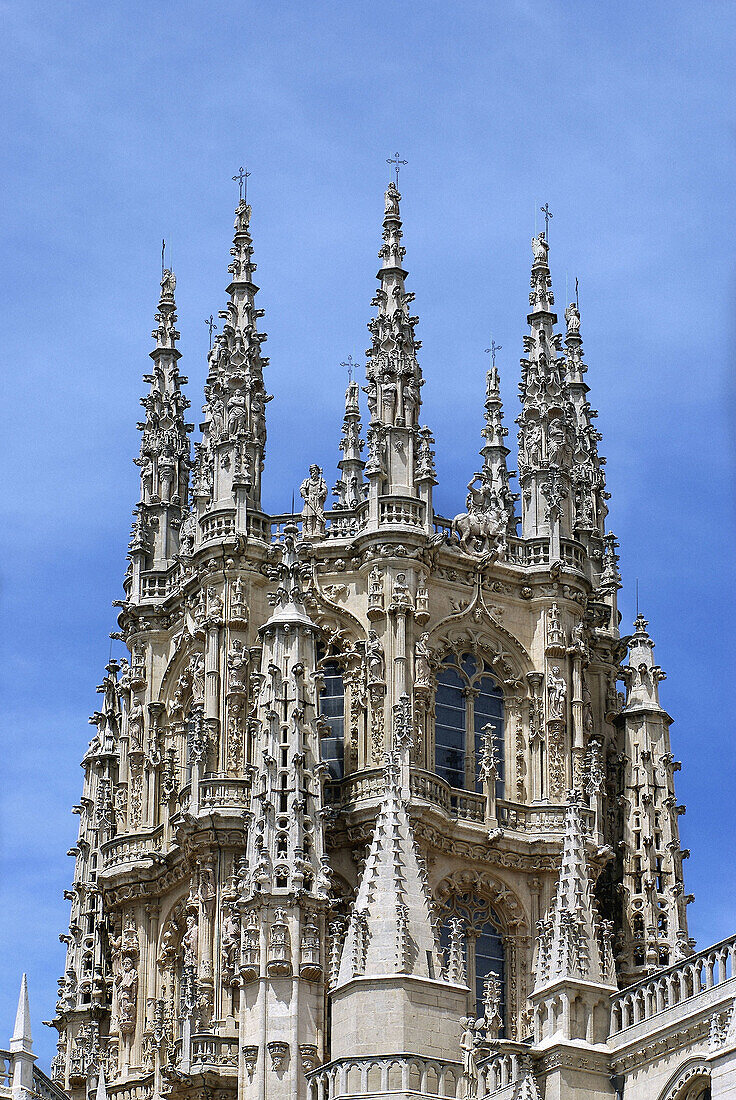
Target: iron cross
{"points": [[350, 367], [396, 159], [210, 322], [547, 215], [242, 180], [492, 351]]}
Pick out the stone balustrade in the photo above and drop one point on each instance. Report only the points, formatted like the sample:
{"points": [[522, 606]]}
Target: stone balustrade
{"points": [[503, 1070], [539, 820], [401, 511], [214, 1052], [683, 981], [224, 794], [382, 1074], [131, 847]]}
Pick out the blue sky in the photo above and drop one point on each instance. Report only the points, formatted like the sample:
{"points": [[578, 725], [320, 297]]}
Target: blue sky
{"points": [[123, 123]]}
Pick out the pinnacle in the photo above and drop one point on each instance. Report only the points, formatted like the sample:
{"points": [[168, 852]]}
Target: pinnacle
{"points": [[393, 897], [22, 1039], [569, 936]]}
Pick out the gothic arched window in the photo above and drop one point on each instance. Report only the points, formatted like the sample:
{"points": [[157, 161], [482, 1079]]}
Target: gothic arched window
{"points": [[468, 700], [332, 710], [484, 950]]}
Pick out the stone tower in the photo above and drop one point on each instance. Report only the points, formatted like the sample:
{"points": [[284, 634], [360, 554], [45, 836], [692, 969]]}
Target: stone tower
{"points": [[335, 782]]}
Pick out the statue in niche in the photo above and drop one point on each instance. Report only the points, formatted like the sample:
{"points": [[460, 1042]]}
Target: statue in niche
{"points": [[375, 660], [422, 665], [126, 984], [557, 693], [313, 491], [237, 416], [190, 941]]}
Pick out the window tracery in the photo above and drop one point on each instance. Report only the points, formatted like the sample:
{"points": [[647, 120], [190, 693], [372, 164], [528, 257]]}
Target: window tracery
{"points": [[484, 946]]}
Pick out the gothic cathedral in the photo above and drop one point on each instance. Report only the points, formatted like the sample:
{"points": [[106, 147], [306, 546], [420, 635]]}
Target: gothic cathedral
{"points": [[365, 812]]}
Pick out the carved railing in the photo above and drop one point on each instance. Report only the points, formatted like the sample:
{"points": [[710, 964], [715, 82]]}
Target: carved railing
{"points": [[155, 585], [6, 1070], [214, 1051], [131, 847], [672, 986], [381, 1074], [217, 525], [406, 511], [504, 1069], [541, 820], [224, 794]]}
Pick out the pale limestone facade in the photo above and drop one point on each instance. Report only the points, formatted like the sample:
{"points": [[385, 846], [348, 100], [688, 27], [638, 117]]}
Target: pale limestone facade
{"points": [[365, 812]]}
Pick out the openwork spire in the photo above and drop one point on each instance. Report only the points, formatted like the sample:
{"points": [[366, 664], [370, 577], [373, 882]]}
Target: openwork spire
{"points": [[164, 457], [491, 517], [588, 480], [546, 428], [349, 488], [400, 454], [231, 456], [572, 944], [285, 850]]}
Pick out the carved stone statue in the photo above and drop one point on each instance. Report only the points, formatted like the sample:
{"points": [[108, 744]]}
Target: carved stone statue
{"points": [[313, 491], [557, 693], [237, 416], [482, 529], [468, 1044], [127, 989], [572, 318], [168, 284], [190, 941], [422, 666], [375, 660], [540, 248]]}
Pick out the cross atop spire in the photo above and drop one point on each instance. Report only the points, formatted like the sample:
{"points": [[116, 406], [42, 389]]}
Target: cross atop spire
{"points": [[242, 180], [398, 164]]}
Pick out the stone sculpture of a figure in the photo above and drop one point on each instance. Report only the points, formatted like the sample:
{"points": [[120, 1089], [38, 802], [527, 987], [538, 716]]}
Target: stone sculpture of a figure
{"points": [[314, 494]]}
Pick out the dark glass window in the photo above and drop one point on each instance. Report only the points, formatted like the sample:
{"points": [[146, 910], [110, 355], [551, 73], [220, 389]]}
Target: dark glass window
{"points": [[468, 701], [332, 709]]}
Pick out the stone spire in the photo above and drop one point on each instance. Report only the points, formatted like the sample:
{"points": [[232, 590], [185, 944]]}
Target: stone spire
{"points": [[588, 480], [164, 457], [349, 488], [392, 926], [546, 429], [231, 455], [400, 456], [491, 515], [285, 881], [571, 945], [655, 905], [21, 1048], [107, 807]]}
